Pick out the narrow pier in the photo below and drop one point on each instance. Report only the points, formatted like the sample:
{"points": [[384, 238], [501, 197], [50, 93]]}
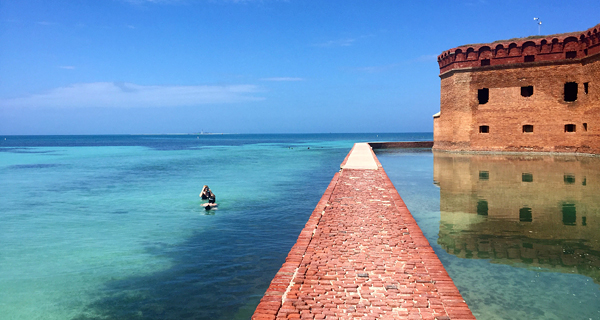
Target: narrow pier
{"points": [[362, 255]]}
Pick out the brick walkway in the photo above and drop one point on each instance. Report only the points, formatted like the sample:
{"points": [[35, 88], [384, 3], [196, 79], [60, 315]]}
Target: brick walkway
{"points": [[362, 255]]}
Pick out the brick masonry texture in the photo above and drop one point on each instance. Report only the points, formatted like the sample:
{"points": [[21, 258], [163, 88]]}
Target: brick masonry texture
{"points": [[457, 127], [362, 255]]}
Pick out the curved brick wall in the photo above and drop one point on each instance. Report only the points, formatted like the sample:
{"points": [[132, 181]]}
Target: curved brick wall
{"points": [[574, 45], [547, 103]]}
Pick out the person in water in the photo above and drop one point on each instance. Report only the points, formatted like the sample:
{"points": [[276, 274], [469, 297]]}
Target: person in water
{"points": [[206, 193]]}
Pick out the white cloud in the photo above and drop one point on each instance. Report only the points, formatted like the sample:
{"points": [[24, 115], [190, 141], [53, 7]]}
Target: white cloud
{"points": [[125, 95], [282, 79]]}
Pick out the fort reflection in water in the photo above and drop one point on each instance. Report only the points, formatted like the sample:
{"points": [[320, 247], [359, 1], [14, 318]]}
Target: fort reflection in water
{"points": [[521, 210]]}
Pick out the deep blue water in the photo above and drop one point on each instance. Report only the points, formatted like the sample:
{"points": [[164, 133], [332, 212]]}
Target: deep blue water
{"points": [[110, 227]]}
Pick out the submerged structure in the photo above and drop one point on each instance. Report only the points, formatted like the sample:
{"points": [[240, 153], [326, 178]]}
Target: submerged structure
{"points": [[540, 93]]}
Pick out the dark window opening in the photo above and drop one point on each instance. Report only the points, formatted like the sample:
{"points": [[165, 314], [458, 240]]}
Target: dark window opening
{"points": [[569, 214], [482, 208], [528, 128], [570, 91], [569, 179], [530, 58], [525, 214], [585, 51], [584, 182], [527, 177], [586, 86], [527, 245], [485, 62], [584, 221], [483, 95], [570, 127], [527, 91], [484, 129], [585, 127], [484, 175], [571, 54]]}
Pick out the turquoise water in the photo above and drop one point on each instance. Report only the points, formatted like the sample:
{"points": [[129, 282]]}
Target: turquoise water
{"points": [[518, 234], [110, 227]]}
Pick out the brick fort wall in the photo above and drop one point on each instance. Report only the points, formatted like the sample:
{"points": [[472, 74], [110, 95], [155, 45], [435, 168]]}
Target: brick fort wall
{"points": [[527, 95]]}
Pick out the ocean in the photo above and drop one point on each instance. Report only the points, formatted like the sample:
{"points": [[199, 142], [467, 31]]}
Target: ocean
{"points": [[111, 227]]}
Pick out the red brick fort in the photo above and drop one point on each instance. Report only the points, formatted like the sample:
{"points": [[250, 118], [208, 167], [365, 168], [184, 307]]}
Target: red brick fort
{"points": [[540, 93]]}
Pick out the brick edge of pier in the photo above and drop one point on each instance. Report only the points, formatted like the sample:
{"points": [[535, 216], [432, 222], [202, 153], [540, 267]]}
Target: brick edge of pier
{"points": [[444, 304]]}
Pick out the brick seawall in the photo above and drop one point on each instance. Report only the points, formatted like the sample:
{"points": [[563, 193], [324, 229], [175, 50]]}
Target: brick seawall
{"points": [[362, 255]]}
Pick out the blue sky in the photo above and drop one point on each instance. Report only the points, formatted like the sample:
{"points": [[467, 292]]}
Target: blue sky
{"points": [[244, 66]]}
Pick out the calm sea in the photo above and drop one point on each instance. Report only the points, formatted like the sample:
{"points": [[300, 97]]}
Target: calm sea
{"points": [[110, 227]]}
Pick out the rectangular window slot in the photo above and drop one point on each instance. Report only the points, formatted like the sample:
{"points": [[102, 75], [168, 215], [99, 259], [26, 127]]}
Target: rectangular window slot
{"points": [[482, 208], [528, 128], [530, 58], [485, 62], [571, 54], [570, 91], [527, 177], [584, 221], [527, 91], [584, 126], [483, 95], [525, 214], [569, 212], [484, 175], [569, 179], [586, 86], [484, 129], [570, 127]]}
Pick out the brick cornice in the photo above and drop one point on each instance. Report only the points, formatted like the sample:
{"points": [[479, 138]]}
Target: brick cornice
{"points": [[560, 47]]}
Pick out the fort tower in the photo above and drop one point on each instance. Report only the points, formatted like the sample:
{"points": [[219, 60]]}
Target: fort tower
{"points": [[540, 93]]}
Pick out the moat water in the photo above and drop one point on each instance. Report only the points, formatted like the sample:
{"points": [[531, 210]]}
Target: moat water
{"points": [[519, 235]]}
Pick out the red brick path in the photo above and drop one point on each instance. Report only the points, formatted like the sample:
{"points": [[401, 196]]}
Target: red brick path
{"points": [[362, 255]]}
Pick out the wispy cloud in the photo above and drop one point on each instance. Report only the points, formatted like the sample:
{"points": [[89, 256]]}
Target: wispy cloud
{"points": [[337, 43], [45, 23], [130, 95], [426, 58], [282, 79], [343, 42], [67, 67], [377, 69], [141, 2]]}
